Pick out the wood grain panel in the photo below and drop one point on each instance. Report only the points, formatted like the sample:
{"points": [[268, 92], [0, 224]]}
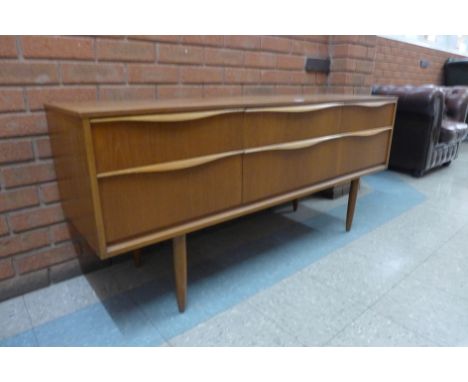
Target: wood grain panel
{"points": [[72, 166], [270, 173], [142, 203], [119, 145], [207, 221], [114, 109], [267, 128], [354, 118], [359, 153]]}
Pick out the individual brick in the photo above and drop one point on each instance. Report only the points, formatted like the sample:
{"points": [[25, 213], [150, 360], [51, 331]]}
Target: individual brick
{"points": [[115, 50], [284, 89], [161, 38], [11, 100], [38, 217], [222, 90], [20, 198], [6, 269], [302, 77], [347, 50], [125, 93], [60, 232], [28, 73], [24, 242], [223, 57], [259, 60], [179, 91], [74, 48], [3, 226], [37, 97], [344, 39], [15, 151], [49, 192], [192, 74], [276, 44], [290, 62], [19, 125], [43, 259], [307, 48], [321, 78], [258, 89], [8, 46], [22, 175], [276, 76], [43, 149], [91, 73], [343, 65], [141, 73], [180, 54], [203, 40], [338, 78], [240, 75], [244, 42]]}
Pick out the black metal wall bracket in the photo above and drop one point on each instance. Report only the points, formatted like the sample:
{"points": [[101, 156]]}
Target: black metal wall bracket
{"points": [[317, 65]]}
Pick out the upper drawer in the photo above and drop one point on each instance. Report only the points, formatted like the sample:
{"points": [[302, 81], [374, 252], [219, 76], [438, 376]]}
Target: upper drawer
{"points": [[266, 126], [367, 115], [125, 142]]}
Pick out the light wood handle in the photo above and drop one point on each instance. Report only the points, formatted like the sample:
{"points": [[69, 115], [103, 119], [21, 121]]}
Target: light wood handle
{"points": [[315, 141], [370, 104], [178, 117], [295, 109], [170, 166], [193, 162]]}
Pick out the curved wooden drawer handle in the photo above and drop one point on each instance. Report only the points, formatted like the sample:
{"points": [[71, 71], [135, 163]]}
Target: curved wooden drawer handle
{"points": [[170, 166], [294, 109], [315, 141], [370, 104], [178, 117], [193, 162]]}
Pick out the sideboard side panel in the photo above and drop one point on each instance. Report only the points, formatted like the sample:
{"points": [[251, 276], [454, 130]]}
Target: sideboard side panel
{"points": [[72, 170]]}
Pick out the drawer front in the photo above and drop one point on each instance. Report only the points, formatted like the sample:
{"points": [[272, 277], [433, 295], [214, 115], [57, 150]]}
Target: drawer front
{"points": [[145, 202], [361, 152], [269, 173], [126, 142], [285, 124], [366, 116]]}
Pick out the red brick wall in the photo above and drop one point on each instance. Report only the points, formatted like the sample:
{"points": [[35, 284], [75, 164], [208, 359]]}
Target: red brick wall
{"points": [[398, 63], [352, 63], [358, 62], [35, 243]]}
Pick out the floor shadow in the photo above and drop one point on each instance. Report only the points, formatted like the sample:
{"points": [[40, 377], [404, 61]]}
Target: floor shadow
{"points": [[215, 256]]}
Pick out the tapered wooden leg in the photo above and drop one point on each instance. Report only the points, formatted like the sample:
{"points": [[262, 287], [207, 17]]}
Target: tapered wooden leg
{"points": [[179, 254], [136, 254], [295, 204], [353, 191]]}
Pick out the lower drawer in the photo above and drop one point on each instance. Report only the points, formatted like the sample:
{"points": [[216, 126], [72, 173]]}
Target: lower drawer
{"points": [[276, 171], [270, 173], [359, 153], [141, 203]]}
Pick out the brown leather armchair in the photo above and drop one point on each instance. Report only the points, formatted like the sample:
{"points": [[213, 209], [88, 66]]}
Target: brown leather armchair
{"points": [[429, 125]]}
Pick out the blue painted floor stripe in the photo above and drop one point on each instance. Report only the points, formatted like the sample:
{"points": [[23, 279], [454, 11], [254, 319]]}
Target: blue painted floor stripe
{"points": [[148, 315]]}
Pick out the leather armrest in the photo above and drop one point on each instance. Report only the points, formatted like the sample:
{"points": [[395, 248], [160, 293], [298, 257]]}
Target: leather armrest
{"points": [[417, 124], [425, 100], [456, 102]]}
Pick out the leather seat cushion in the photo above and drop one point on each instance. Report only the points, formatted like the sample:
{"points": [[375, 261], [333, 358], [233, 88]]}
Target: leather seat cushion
{"points": [[452, 131]]}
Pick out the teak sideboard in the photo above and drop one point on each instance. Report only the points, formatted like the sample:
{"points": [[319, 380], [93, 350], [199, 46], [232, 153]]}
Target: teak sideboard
{"points": [[132, 174]]}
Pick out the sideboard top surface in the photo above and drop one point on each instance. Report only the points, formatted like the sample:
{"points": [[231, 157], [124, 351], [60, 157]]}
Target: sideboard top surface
{"points": [[96, 109]]}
